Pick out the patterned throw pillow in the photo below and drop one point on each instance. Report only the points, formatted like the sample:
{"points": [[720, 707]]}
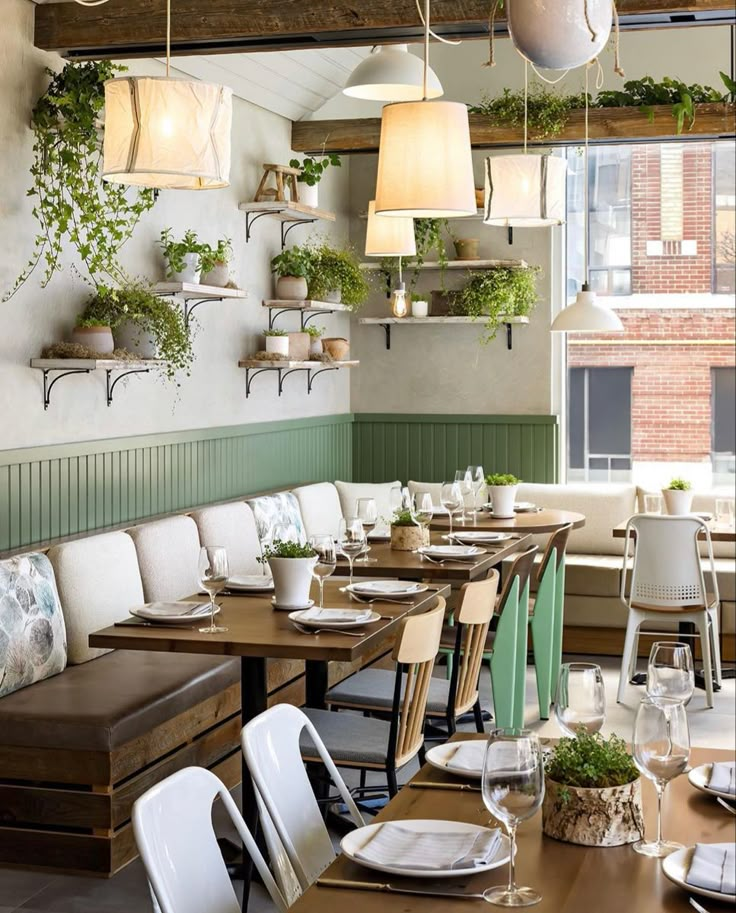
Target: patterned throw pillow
{"points": [[278, 517], [32, 632]]}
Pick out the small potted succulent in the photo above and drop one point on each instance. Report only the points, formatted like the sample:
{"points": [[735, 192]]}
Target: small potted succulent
{"points": [[292, 268], [277, 342], [182, 257], [502, 488], [291, 568], [406, 533], [94, 333], [313, 168], [678, 497], [315, 340], [215, 263], [592, 792]]}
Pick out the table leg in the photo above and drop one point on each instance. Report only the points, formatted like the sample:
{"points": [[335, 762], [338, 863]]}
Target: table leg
{"points": [[316, 683]]}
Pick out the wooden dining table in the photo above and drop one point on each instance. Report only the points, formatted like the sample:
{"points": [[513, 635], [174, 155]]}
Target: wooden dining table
{"points": [[570, 878], [543, 520]]}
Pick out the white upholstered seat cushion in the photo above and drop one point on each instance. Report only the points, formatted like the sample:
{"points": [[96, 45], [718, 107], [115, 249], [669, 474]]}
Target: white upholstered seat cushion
{"points": [[320, 508], [168, 555], [98, 582], [350, 492], [232, 526]]}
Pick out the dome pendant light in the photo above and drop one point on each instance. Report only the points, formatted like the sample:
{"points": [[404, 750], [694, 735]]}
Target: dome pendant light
{"points": [[559, 34], [391, 73], [425, 165], [167, 133], [586, 314]]}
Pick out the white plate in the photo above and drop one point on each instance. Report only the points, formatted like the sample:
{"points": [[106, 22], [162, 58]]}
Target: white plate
{"points": [[386, 588], [441, 754], [677, 865], [473, 536], [439, 511], [699, 777], [333, 625], [252, 582], [524, 506], [379, 535], [455, 552], [291, 608], [180, 612], [352, 842]]}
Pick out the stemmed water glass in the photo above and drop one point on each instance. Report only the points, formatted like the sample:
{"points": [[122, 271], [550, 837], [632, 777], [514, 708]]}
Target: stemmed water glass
{"points": [[366, 511], [351, 540], [464, 479], [661, 748], [513, 790], [213, 572], [580, 701], [451, 498], [324, 548], [479, 479], [670, 675], [422, 511]]}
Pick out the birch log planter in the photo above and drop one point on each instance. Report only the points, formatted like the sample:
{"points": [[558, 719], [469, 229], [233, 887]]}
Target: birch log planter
{"points": [[408, 538], [611, 816]]}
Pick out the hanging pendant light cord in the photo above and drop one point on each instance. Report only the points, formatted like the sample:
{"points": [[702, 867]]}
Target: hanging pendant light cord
{"points": [[586, 194], [425, 73], [434, 34], [168, 37], [526, 104]]}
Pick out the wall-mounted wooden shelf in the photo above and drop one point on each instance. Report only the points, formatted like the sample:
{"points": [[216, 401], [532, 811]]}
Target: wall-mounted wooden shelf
{"points": [[307, 310], [193, 294], [255, 366], [288, 214], [65, 367], [388, 322], [455, 265]]}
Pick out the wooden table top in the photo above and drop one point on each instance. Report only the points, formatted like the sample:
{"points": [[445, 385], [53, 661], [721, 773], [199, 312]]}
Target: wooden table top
{"points": [[391, 562], [545, 520], [571, 879], [257, 629], [717, 533]]}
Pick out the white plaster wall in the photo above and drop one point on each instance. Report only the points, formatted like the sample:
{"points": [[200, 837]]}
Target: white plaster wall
{"points": [[214, 394]]}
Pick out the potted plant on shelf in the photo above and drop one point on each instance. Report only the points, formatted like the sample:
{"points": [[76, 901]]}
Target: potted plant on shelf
{"points": [[592, 792], [494, 294], [291, 568], [336, 277], [406, 533], [315, 339], [215, 263], [502, 488], [94, 333], [292, 268], [277, 342], [313, 168], [465, 248], [183, 262], [678, 497]]}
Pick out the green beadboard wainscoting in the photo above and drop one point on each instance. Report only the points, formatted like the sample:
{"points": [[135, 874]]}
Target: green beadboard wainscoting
{"points": [[430, 448], [46, 492]]}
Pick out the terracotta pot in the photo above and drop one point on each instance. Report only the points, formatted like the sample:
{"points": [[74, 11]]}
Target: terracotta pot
{"points": [[467, 248], [218, 276], [407, 538], [480, 197], [291, 288], [191, 271], [96, 339], [677, 502], [299, 346], [130, 336], [277, 345], [503, 498], [593, 817], [337, 347]]}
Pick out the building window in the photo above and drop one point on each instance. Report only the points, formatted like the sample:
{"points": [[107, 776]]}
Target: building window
{"points": [[724, 220], [599, 424], [723, 424]]}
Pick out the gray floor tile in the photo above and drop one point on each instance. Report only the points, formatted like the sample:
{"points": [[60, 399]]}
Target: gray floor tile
{"points": [[16, 887]]}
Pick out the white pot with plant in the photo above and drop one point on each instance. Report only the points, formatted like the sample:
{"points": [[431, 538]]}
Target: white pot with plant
{"points": [[592, 792], [315, 340], [277, 342], [215, 263], [94, 334], [312, 170], [502, 489], [291, 568], [292, 270], [678, 498], [182, 257]]}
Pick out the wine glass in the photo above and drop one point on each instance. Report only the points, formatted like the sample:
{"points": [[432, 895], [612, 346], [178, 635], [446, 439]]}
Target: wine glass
{"points": [[478, 477], [213, 572], [324, 548], [465, 480], [367, 511], [351, 540], [580, 700], [670, 675], [422, 512], [395, 499], [451, 498], [513, 790], [661, 748], [724, 512]]}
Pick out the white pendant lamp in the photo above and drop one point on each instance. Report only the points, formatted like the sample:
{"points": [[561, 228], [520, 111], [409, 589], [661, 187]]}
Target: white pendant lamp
{"points": [[387, 237], [167, 133], [425, 165], [391, 73], [559, 34]]}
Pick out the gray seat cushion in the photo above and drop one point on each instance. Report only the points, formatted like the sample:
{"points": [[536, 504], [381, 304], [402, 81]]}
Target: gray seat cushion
{"points": [[349, 739]]}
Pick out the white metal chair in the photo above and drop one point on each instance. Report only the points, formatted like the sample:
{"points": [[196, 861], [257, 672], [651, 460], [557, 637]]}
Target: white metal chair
{"points": [[271, 748], [667, 581], [172, 823]]}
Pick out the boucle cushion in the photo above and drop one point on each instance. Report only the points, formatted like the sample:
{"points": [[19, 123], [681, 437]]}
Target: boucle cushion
{"points": [[381, 492], [98, 581], [320, 508], [278, 517], [232, 526], [168, 555], [32, 632]]}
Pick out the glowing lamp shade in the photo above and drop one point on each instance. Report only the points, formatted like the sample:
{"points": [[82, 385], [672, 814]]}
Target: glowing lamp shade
{"points": [[587, 315], [425, 166], [391, 73], [389, 237], [525, 191], [167, 133], [555, 33]]}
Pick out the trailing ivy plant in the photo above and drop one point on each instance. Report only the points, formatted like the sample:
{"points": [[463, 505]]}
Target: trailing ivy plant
{"points": [[548, 110], [73, 206], [494, 294], [335, 268]]}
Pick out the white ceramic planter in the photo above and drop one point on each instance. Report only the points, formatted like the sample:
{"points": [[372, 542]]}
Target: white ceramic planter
{"points": [[503, 498], [593, 817], [291, 288], [677, 502], [219, 276], [315, 346], [419, 308], [292, 579], [334, 296], [129, 336], [277, 345], [96, 339], [555, 34], [191, 270], [308, 196]]}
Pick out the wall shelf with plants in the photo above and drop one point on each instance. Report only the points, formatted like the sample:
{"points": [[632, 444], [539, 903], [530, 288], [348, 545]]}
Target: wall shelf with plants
{"points": [[307, 309], [54, 369], [284, 367], [192, 295], [388, 322], [288, 214], [435, 265]]}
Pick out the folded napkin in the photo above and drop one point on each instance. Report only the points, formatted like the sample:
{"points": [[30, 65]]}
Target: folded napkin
{"points": [[468, 757], [430, 850], [388, 587], [188, 609], [327, 616], [713, 867], [723, 777]]}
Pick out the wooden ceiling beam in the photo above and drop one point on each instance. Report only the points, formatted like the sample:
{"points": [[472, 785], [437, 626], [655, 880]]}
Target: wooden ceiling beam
{"points": [[125, 28], [606, 125]]}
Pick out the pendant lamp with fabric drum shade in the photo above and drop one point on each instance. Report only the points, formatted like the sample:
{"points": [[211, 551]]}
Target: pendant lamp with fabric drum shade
{"points": [[389, 237], [525, 191]]}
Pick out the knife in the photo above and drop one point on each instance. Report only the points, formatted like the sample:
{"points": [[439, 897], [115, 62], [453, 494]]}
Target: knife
{"points": [[391, 889], [460, 787]]}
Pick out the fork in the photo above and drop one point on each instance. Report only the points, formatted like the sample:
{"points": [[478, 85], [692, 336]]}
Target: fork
{"points": [[725, 804], [303, 630], [696, 906], [373, 599]]}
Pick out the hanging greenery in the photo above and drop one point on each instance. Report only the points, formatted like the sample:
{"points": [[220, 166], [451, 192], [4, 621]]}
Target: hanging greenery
{"points": [[73, 206], [428, 234], [494, 294]]}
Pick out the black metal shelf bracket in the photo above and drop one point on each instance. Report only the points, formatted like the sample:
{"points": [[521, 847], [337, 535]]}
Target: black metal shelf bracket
{"points": [[312, 375], [189, 309], [49, 385], [509, 336], [283, 373], [307, 316], [387, 331], [250, 376], [250, 219], [273, 317], [286, 227], [111, 384]]}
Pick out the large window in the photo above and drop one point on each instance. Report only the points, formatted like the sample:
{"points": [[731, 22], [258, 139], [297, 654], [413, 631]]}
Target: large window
{"points": [[599, 424], [723, 431], [724, 248]]}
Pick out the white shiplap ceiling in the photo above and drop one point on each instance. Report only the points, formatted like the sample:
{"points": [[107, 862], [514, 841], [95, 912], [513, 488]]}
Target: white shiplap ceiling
{"points": [[294, 84]]}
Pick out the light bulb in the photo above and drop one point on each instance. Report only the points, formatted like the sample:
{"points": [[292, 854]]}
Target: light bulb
{"points": [[398, 301]]}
